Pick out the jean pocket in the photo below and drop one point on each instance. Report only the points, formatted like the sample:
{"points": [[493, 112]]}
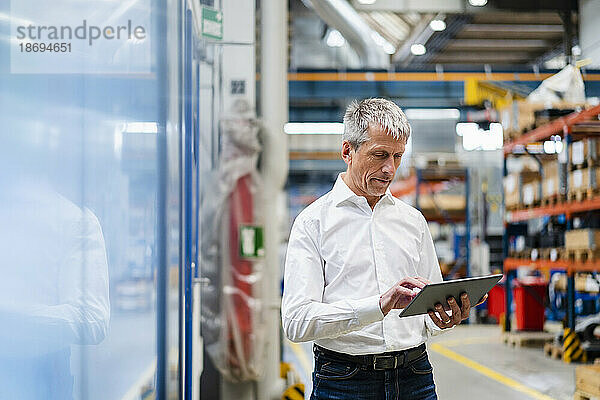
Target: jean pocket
{"points": [[337, 370], [421, 366]]}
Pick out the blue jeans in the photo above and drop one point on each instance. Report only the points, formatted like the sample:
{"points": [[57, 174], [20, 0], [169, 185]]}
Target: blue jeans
{"points": [[336, 379]]}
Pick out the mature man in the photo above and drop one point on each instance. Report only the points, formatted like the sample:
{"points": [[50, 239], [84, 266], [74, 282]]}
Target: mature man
{"points": [[355, 257]]}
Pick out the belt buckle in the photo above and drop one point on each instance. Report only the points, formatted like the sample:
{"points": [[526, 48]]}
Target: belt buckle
{"points": [[385, 361]]}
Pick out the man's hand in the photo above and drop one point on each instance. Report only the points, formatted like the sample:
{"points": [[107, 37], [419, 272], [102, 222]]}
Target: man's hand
{"points": [[445, 321], [401, 294]]}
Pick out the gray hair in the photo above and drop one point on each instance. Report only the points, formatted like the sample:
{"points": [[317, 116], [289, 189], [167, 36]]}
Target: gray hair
{"points": [[379, 112]]}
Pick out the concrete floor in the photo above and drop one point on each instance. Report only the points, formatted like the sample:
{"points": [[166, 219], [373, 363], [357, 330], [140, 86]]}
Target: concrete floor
{"points": [[471, 362]]}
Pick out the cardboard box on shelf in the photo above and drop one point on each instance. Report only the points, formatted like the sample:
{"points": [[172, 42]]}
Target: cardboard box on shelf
{"points": [[514, 187], [584, 179], [443, 201], [582, 239], [584, 151], [584, 282], [531, 193], [519, 116], [550, 182]]}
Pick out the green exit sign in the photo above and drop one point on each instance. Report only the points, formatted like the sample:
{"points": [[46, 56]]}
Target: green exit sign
{"points": [[251, 241], [212, 23]]}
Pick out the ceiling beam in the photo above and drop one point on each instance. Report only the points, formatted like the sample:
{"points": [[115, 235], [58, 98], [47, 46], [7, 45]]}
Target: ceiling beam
{"points": [[505, 17], [510, 31], [521, 28], [498, 44], [440, 40], [419, 6]]}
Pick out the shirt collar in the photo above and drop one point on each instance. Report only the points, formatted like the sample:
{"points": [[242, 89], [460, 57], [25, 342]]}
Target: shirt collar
{"points": [[341, 193]]}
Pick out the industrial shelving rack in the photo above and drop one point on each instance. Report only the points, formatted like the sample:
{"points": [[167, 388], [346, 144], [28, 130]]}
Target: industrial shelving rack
{"points": [[561, 126], [433, 178]]}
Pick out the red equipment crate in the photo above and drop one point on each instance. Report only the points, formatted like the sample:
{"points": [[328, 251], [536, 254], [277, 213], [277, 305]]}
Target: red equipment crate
{"points": [[530, 297]]}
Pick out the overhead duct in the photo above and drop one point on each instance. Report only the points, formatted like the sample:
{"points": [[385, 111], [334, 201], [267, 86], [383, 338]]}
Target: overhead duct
{"points": [[340, 15]]}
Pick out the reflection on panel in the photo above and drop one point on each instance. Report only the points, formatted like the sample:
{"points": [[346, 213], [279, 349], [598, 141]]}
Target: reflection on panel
{"points": [[78, 211]]}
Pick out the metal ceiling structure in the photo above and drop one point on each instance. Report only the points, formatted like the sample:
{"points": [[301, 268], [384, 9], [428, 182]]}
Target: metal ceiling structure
{"points": [[500, 37], [490, 35], [494, 38]]}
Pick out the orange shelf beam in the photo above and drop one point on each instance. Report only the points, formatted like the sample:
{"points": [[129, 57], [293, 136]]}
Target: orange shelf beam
{"points": [[557, 209], [552, 128], [571, 267], [514, 263], [409, 186]]}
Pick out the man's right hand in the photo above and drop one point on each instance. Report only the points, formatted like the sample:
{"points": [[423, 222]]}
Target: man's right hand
{"points": [[401, 294]]}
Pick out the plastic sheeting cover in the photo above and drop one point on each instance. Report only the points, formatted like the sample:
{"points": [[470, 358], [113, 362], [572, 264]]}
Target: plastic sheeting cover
{"points": [[232, 310]]}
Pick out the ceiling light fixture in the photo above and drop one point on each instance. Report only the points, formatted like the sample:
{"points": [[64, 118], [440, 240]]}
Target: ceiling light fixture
{"points": [[389, 48], [478, 3], [418, 49], [367, 1], [335, 39], [437, 25]]}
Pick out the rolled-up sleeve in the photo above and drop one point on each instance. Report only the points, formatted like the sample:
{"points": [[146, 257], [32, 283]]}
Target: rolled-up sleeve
{"points": [[304, 315]]}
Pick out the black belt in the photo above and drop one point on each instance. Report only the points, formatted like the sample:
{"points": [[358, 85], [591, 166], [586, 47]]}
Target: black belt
{"points": [[381, 361]]}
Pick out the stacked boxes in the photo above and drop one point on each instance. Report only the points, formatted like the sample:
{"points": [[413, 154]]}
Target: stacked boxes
{"points": [[521, 188], [583, 156], [531, 193], [584, 282], [519, 116], [584, 153], [551, 181], [582, 180], [582, 239]]}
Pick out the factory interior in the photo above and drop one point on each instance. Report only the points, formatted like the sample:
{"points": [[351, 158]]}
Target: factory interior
{"points": [[182, 214]]}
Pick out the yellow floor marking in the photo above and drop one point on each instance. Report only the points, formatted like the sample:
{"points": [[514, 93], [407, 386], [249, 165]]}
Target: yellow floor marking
{"points": [[301, 356], [488, 372]]}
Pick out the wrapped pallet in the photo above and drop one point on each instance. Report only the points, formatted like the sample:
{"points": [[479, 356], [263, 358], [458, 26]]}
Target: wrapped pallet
{"points": [[582, 182], [443, 201], [442, 204], [584, 282], [583, 153], [582, 239], [562, 91], [520, 116], [551, 180], [513, 187], [531, 193]]}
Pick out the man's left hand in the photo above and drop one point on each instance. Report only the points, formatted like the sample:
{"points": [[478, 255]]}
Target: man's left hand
{"points": [[459, 314]]}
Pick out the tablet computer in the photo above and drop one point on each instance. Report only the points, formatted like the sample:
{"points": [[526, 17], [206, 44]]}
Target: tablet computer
{"points": [[435, 293]]}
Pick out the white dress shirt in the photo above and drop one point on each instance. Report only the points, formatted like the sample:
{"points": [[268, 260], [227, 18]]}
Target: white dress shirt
{"points": [[342, 256]]}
